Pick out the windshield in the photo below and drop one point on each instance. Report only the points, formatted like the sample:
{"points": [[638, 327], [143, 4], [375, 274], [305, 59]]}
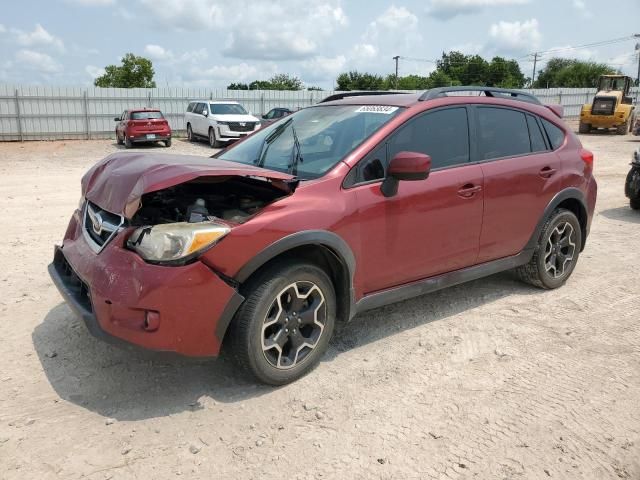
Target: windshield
{"points": [[227, 109], [613, 83], [310, 142], [145, 115]]}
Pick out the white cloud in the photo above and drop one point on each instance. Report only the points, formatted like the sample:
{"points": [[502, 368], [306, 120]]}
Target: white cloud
{"points": [[2, 28], [40, 62], [156, 52], [93, 3], [321, 68], [364, 51], [515, 37], [225, 74], [284, 30], [447, 9], [467, 48], [395, 18], [38, 37], [93, 71], [581, 6]]}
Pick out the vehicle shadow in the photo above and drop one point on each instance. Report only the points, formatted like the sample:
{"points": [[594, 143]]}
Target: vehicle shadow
{"points": [[134, 384], [140, 146], [626, 214]]}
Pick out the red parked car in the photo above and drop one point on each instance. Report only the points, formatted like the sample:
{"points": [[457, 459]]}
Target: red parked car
{"points": [[341, 207], [142, 126]]}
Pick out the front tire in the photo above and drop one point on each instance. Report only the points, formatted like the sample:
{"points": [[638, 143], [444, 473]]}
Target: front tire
{"points": [[213, 142], [634, 203], [556, 253], [584, 128], [284, 325], [118, 139]]}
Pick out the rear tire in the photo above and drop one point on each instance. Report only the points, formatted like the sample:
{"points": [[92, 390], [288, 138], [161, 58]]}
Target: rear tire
{"points": [[127, 142], [634, 203], [283, 328], [556, 253], [189, 133], [623, 129], [584, 128], [167, 143]]}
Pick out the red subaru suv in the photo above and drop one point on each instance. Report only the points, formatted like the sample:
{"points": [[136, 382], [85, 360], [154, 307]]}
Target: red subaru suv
{"points": [[142, 126], [357, 202]]}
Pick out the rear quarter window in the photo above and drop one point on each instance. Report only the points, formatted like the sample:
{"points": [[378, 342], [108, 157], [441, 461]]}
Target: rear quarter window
{"points": [[537, 138], [555, 134], [191, 107], [502, 133]]}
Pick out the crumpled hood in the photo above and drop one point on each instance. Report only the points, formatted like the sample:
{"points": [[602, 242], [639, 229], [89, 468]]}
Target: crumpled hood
{"points": [[117, 182]]}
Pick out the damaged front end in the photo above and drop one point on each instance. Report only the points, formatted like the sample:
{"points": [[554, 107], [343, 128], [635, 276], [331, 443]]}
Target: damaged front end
{"points": [[177, 224], [180, 205]]}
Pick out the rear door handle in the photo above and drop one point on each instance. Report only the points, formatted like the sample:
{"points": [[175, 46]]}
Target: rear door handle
{"points": [[547, 172], [469, 190]]}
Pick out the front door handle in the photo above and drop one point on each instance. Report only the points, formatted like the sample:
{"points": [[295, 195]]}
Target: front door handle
{"points": [[469, 190], [547, 172]]}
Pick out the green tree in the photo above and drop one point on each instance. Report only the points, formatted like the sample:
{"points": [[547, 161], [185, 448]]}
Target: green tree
{"points": [[283, 81], [135, 72], [438, 78], [571, 73], [354, 80], [238, 86]]}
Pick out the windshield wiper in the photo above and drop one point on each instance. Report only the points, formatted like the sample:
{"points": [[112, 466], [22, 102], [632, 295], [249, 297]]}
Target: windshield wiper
{"points": [[296, 153], [264, 147]]}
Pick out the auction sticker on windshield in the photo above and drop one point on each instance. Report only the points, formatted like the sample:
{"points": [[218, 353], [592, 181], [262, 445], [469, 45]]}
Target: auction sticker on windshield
{"points": [[386, 109]]}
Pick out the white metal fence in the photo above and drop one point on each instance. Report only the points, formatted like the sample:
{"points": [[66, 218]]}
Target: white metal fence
{"points": [[54, 113]]}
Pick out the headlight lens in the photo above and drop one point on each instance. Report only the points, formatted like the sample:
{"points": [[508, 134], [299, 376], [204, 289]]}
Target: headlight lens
{"points": [[175, 241], [222, 123]]}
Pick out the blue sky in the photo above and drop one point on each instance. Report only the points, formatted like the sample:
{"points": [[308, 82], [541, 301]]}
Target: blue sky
{"points": [[215, 42]]}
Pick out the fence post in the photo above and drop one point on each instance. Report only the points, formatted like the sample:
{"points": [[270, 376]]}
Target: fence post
{"points": [[85, 103], [262, 112], [149, 100], [19, 117]]}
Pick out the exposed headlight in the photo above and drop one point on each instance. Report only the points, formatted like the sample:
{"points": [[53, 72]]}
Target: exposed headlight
{"points": [[175, 241]]}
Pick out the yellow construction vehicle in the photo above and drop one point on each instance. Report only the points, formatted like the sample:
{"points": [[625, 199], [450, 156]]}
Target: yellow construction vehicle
{"points": [[612, 106]]}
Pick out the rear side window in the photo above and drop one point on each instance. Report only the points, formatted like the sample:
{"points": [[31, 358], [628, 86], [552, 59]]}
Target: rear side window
{"points": [[190, 107], [555, 134], [443, 135], [145, 115], [537, 139], [502, 133]]}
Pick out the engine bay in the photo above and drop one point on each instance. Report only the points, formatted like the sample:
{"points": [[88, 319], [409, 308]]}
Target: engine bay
{"points": [[233, 199]]}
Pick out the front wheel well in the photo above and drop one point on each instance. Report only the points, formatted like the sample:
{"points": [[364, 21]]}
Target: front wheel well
{"points": [[578, 209], [326, 259]]}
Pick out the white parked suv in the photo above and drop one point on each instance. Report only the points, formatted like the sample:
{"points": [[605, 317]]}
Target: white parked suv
{"points": [[219, 121]]}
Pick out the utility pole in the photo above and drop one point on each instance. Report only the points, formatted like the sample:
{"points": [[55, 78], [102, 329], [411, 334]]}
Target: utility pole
{"points": [[396, 58], [535, 61], [637, 35]]}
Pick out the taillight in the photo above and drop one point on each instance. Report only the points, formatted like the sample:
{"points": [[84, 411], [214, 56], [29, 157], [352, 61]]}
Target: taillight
{"points": [[587, 157]]}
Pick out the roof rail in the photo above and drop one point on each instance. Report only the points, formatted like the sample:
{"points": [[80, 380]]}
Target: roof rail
{"points": [[341, 95], [488, 91]]}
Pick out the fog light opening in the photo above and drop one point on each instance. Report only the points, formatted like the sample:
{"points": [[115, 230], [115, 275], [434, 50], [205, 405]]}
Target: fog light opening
{"points": [[151, 321]]}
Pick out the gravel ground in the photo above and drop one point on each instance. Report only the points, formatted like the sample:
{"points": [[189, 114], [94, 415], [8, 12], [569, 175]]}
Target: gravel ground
{"points": [[492, 379]]}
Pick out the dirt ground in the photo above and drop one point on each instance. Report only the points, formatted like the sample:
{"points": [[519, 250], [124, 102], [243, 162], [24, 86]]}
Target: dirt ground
{"points": [[488, 380]]}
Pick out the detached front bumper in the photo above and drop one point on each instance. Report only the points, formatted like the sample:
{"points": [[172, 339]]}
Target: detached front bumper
{"points": [[122, 299]]}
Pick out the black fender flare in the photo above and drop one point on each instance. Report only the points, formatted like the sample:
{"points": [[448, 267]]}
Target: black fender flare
{"points": [[570, 193], [329, 240]]}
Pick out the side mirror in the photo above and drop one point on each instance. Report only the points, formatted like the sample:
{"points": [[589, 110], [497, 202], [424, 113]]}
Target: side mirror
{"points": [[205, 113], [406, 166], [117, 119]]}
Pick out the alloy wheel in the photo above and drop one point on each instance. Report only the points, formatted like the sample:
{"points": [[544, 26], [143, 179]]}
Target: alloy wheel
{"points": [[293, 325], [560, 250]]}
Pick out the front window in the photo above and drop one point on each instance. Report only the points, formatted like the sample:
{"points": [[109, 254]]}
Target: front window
{"points": [[310, 142], [145, 115], [227, 109]]}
